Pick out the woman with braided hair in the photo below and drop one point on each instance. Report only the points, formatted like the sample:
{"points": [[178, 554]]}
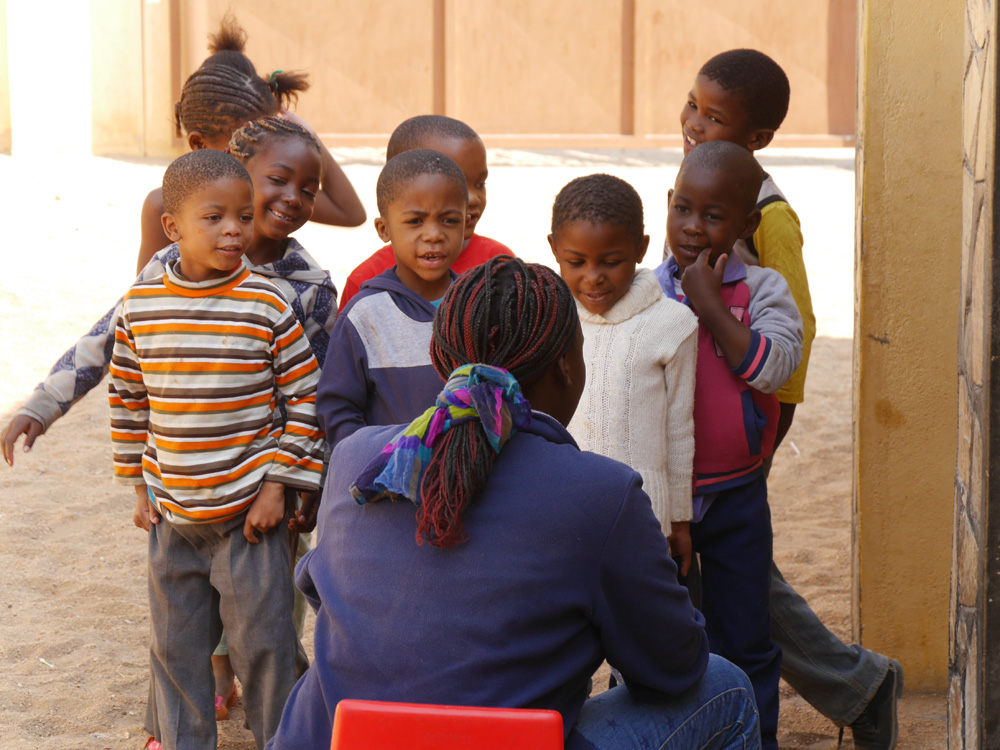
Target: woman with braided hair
{"points": [[221, 95], [525, 561]]}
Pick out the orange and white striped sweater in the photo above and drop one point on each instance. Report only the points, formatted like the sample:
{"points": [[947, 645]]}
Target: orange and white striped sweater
{"points": [[195, 376]]}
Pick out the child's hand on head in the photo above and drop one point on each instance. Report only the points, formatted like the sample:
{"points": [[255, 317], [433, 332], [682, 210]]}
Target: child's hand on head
{"points": [[145, 512], [266, 511], [701, 283], [20, 424]]}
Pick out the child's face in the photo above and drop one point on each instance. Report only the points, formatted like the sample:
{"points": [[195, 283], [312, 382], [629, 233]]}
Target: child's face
{"points": [[286, 176], [426, 225], [597, 261], [213, 228], [713, 114], [706, 211], [470, 156]]}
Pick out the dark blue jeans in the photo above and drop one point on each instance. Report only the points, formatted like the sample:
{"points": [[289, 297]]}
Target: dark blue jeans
{"points": [[734, 542]]}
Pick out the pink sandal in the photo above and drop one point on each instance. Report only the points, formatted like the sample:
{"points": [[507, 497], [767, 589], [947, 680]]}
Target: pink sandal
{"points": [[222, 707], [152, 744]]}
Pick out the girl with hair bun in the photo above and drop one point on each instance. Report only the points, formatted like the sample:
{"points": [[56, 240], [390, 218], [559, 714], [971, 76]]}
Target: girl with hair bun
{"points": [[477, 557], [224, 93]]}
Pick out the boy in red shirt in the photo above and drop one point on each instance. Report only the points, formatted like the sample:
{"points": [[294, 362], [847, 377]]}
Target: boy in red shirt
{"points": [[461, 144]]}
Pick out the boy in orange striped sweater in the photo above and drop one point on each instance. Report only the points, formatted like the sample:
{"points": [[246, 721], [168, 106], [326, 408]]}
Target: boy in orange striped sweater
{"points": [[200, 355]]}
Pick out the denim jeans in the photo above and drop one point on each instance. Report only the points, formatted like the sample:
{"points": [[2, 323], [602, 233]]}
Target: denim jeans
{"points": [[837, 679], [733, 541], [717, 713]]}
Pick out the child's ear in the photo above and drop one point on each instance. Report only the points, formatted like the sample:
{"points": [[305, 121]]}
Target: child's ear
{"points": [[670, 195], [759, 139], [170, 227], [641, 248], [196, 141], [552, 244], [751, 224], [383, 230]]}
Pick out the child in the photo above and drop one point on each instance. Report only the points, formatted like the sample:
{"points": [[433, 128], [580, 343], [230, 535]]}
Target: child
{"points": [[272, 253], [640, 348], [749, 343], [378, 369], [458, 142], [219, 97], [200, 356], [284, 161], [742, 96]]}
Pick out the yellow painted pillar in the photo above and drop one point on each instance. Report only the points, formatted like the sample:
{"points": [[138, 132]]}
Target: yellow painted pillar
{"points": [[117, 78], [4, 82], [908, 255], [161, 72]]}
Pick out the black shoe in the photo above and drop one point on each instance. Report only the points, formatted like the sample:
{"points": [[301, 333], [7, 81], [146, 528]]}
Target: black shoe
{"points": [[877, 727]]}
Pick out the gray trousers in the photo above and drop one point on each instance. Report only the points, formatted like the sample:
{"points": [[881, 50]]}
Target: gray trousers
{"points": [[837, 679], [201, 576]]}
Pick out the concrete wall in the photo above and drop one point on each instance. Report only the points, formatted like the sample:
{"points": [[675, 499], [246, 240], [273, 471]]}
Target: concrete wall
{"points": [[523, 72], [908, 255]]}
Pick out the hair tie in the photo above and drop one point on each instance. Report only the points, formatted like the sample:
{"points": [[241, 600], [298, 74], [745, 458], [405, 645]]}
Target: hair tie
{"points": [[488, 394], [273, 81]]}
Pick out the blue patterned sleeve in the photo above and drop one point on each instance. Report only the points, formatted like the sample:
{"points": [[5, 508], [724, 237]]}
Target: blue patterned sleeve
{"points": [[85, 363]]}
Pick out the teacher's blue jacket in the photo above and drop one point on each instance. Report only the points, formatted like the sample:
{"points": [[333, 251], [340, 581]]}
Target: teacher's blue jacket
{"points": [[565, 566]]}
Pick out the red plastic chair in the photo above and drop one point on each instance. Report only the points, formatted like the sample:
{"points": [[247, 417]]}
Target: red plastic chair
{"points": [[374, 725]]}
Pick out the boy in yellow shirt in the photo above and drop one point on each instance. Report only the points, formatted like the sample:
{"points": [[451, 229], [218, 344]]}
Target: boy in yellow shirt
{"points": [[741, 96]]}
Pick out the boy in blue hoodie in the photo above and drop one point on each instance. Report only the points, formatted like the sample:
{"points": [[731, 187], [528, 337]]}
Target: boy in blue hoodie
{"points": [[378, 369]]}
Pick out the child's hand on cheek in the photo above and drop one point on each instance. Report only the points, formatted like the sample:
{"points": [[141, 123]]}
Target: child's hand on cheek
{"points": [[266, 511], [701, 283]]}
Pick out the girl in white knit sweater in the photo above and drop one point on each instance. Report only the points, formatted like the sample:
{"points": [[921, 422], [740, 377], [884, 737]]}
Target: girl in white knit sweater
{"points": [[640, 348]]}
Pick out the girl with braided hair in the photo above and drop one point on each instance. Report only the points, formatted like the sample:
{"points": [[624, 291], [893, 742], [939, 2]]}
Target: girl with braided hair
{"points": [[528, 562], [225, 92]]}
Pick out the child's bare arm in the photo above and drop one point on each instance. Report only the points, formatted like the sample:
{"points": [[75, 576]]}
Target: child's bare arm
{"points": [[153, 238], [701, 284], [338, 203]]}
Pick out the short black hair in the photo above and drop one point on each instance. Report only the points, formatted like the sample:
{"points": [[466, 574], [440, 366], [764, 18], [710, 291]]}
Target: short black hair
{"points": [[757, 80], [194, 170], [402, 169], [417, 131], [730, 162], [599, 199]]}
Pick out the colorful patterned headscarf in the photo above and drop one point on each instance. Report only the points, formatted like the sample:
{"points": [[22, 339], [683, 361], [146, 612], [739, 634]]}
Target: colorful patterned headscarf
{"points": [[488, 394]]}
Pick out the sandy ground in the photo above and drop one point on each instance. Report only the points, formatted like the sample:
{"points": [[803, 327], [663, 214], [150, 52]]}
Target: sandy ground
{"points": [[73, 612]]}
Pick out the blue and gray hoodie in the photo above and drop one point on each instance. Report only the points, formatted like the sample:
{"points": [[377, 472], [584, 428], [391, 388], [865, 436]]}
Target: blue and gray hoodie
{"points": [[378, 367]]}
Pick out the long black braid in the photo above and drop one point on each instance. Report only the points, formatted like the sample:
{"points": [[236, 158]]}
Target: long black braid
{"points": [[506, 313]]}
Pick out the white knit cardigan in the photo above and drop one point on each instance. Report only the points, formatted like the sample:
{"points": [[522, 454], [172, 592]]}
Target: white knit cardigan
{"points": [[638, 402]]}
